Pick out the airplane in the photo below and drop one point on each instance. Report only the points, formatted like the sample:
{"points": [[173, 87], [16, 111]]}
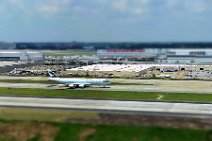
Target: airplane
{"points": [[77, 82]]}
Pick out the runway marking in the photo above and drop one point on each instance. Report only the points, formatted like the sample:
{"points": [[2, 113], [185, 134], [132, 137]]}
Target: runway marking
{"points": [[160, 97]]}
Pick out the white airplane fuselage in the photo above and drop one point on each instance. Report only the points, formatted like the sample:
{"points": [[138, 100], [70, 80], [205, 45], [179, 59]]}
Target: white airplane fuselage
{"points": [[81, 82]]}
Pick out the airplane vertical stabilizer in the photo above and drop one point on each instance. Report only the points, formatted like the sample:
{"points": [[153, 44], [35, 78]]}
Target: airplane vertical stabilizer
{"points": [[51, 73]]}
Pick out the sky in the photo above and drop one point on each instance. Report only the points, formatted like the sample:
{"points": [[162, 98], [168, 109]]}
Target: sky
{"points": [[106, 20]]}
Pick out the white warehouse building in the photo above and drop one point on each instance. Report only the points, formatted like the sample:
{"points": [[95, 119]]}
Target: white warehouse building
{"points": [[21, 56], [188, 56]]}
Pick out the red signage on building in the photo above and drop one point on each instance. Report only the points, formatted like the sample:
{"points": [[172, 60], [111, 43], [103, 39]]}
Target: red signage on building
{"points": [[124, 50]]}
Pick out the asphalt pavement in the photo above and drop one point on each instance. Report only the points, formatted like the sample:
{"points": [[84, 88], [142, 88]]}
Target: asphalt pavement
{"points": [[109, 105]]}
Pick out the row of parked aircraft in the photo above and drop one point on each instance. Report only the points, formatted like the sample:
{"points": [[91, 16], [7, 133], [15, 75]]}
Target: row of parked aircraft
{"points": [[78, 82]]}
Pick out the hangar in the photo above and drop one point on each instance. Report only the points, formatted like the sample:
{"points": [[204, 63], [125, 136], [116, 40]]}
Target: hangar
{"points": [[21, 56]]}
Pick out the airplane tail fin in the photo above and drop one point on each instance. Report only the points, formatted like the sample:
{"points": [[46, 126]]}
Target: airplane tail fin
{"points": [[51, 73]]}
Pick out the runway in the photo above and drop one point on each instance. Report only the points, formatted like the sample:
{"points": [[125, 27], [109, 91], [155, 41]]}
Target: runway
{"points": [[109, 105]]}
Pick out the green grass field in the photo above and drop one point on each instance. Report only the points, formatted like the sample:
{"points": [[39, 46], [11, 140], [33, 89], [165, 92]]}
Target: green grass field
{"points": [[54, 131], [51, 125], [106, 94], [40, 125], [130, 133], [44, 115], [69, 53], [27, 81]]}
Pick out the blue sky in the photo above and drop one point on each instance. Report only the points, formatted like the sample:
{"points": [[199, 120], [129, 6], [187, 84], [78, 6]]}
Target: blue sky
{"points": [[106, 20]]}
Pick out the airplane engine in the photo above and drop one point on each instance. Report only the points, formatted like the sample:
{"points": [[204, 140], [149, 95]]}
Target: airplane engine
{"points": [[82, 86], [62, 85], [71, 86]]}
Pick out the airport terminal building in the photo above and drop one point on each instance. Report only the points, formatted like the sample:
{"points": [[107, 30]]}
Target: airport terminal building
{"points": [[28, 56], [124, 53], [162, 55]]}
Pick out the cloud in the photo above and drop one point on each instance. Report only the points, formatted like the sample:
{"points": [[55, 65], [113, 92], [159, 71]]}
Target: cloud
{"points": [[120, 5], [1, 8], [49, 9], [136, 7], [21, 4], [104, 9], [198, 6], [137, 11], [53, 6], [173, 3], [40, 6]]}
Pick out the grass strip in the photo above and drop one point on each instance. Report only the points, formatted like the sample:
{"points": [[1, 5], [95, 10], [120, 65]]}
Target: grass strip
{"points": [[44, 115], [121, 95], [27, 81]]}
